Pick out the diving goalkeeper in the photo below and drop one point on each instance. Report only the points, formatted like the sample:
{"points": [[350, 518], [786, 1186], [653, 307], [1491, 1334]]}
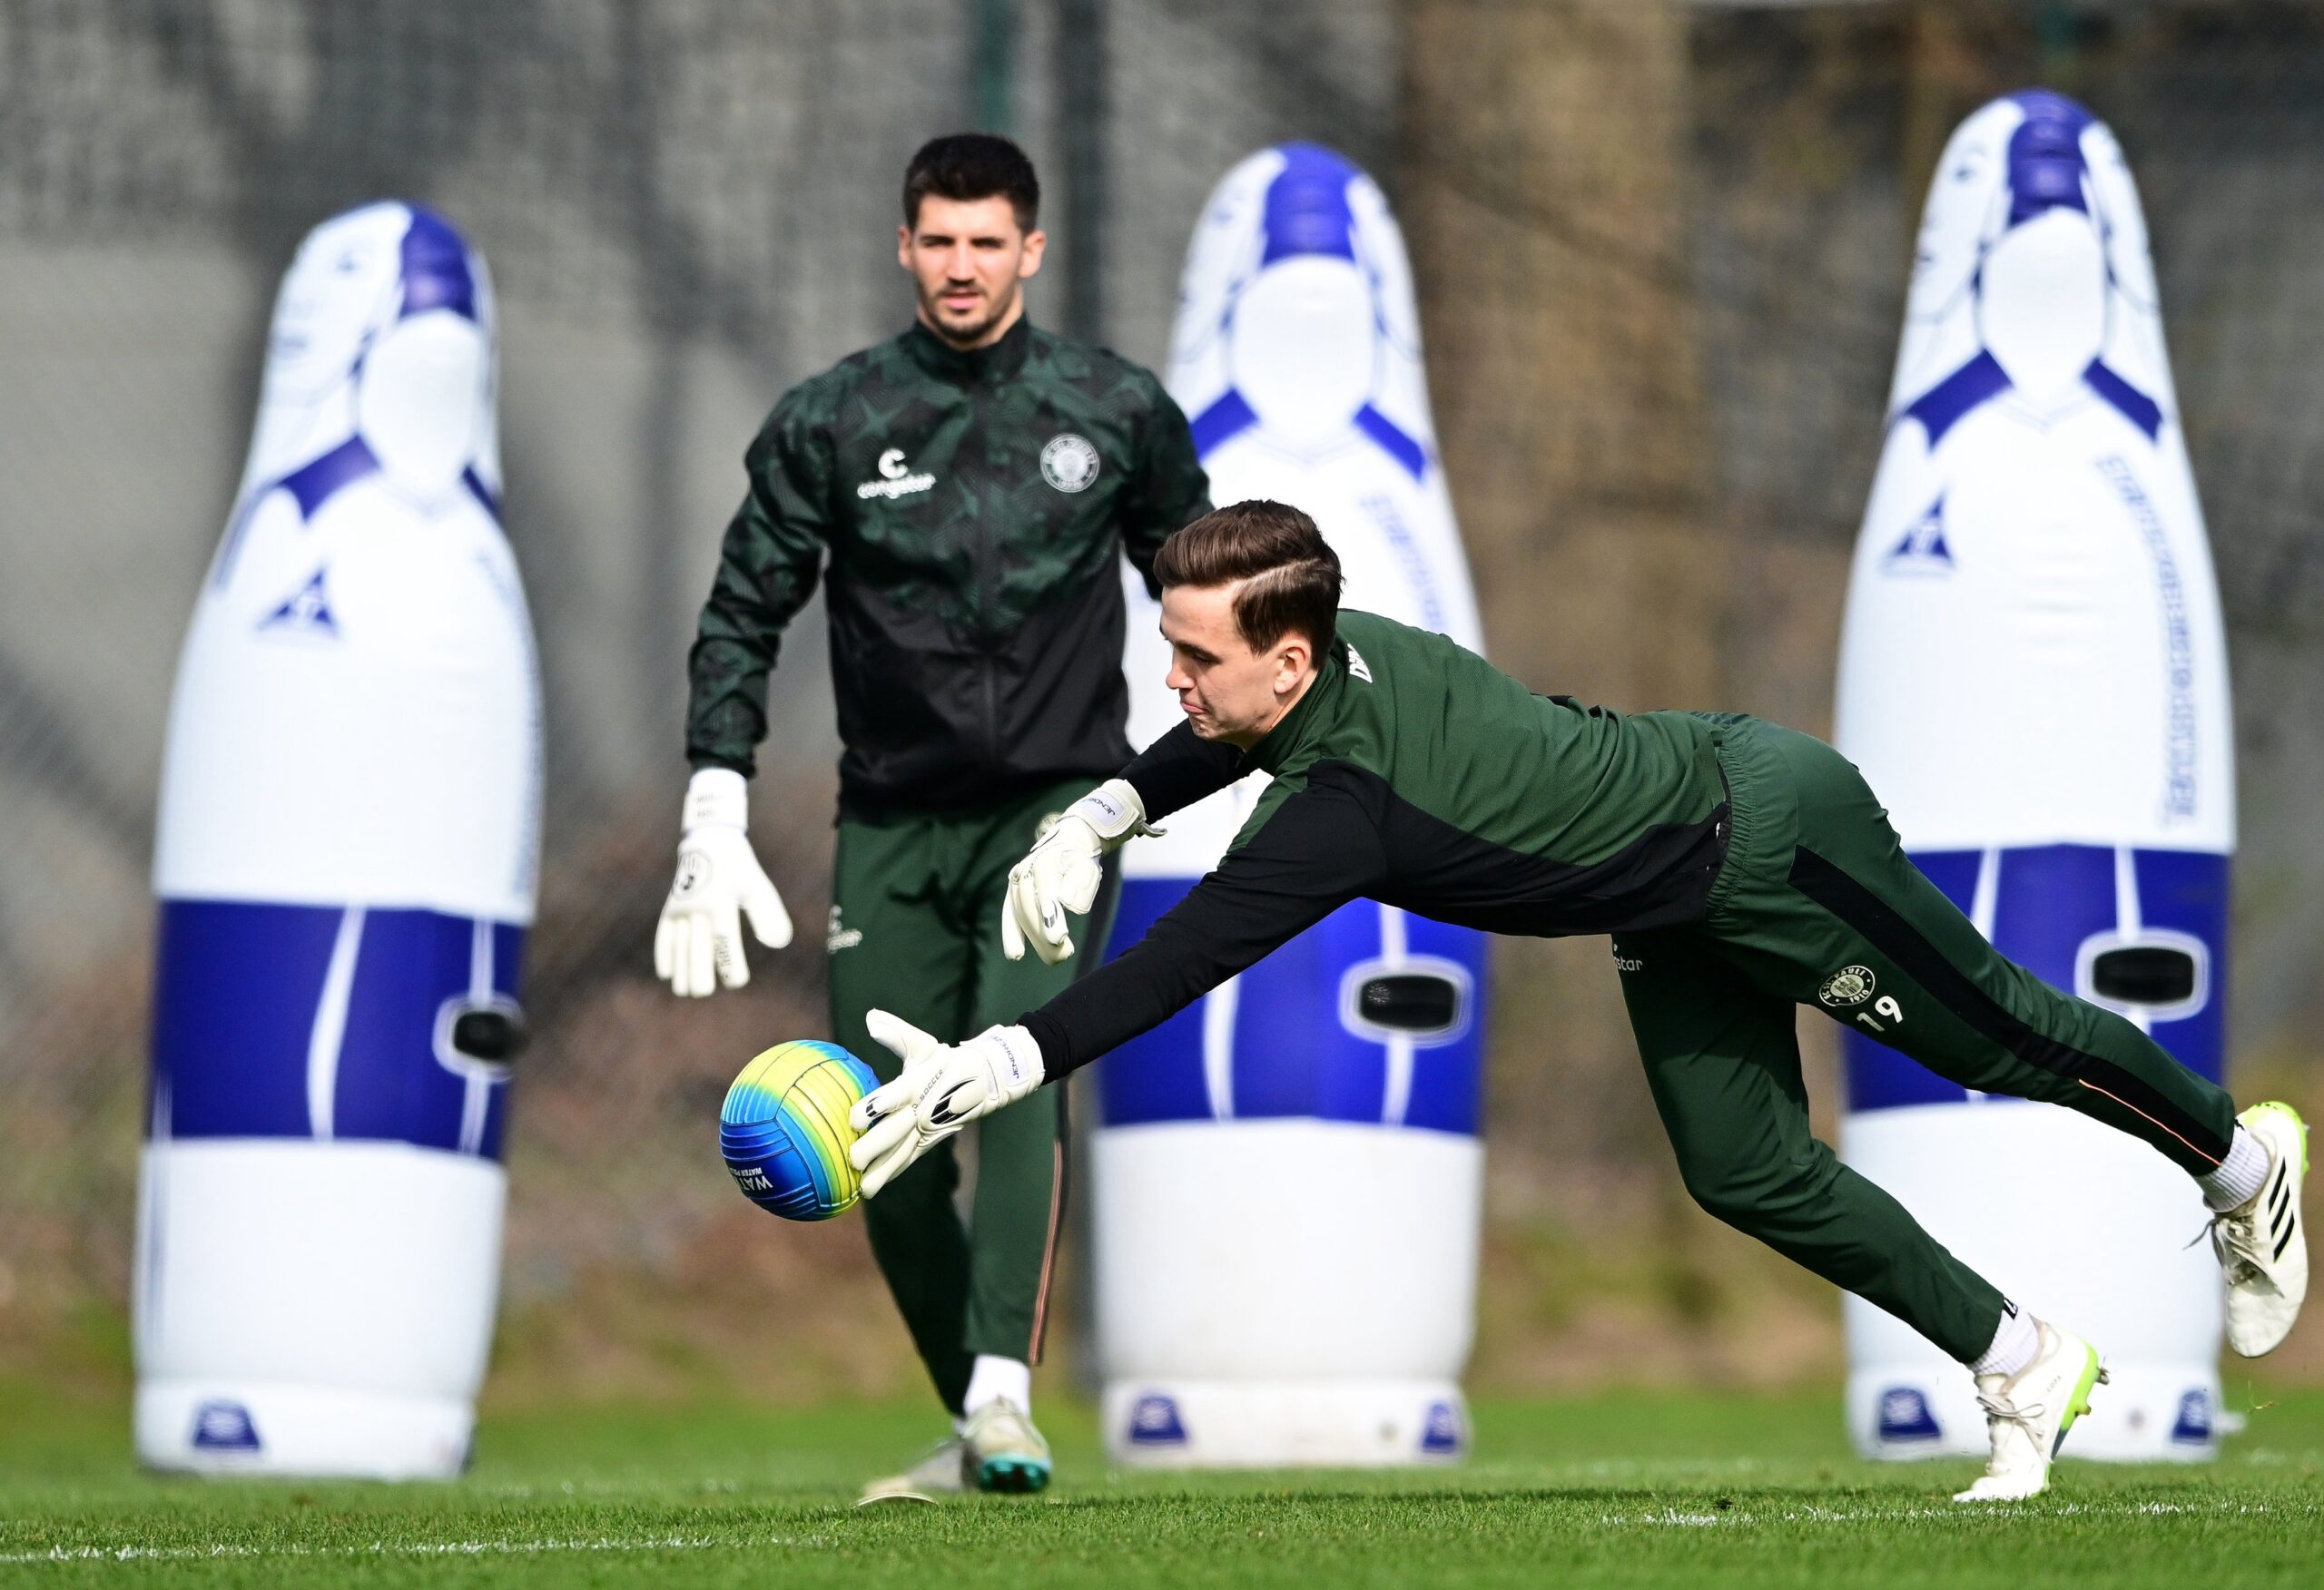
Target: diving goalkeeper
{"points": [[1742, 868]]}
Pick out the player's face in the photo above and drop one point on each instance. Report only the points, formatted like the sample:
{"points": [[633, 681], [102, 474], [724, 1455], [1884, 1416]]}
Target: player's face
{"points": [[967, 259], [1227, 691]]}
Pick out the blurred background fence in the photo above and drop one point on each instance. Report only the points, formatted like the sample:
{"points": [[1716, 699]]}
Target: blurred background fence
{"points": [[1662, 250]]}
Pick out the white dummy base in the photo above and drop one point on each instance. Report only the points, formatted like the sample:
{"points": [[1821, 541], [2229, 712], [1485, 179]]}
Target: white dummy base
{"points": [[240, 1426], [1322, 1423], [2145, 1413], [2083, 1225]]}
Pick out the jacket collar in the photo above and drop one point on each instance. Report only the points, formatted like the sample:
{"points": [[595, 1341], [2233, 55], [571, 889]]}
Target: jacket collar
{"points": [[1298, 726], [970, 366]]}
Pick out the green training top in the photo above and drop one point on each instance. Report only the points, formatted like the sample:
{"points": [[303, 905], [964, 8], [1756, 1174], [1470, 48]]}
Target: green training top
{"points": [[971, 508], [1415, 774]]}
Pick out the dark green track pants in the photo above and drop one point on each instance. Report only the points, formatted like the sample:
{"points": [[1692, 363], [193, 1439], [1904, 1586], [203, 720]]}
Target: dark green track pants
{"points": [[1818, 906], [916, 931]]}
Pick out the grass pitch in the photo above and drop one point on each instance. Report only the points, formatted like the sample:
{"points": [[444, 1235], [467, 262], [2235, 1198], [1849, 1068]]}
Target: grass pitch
{"points": [[1653, 1490]]}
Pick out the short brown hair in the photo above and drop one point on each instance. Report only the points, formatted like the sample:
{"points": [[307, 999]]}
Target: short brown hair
{"points": [[1290, 574], [964, 166]]}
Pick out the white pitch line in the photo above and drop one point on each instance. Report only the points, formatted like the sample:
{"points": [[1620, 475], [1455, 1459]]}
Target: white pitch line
{"points": [[134, 1554], [1814, 1515]]}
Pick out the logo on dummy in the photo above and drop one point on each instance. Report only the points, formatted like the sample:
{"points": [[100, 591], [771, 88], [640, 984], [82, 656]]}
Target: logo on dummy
{"points": [[896, 479], [305, 612], [1904, 1416], [1848, 985], [836, 937], [1922, 551], [224, 1426], [1154, 1422], [2194, 1424], [1070, 463], [1440, 1433]]}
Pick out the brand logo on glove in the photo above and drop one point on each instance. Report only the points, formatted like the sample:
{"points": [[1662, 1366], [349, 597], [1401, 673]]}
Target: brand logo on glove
{"points": [[1848, 985], [694, 871], [943, 1113]]}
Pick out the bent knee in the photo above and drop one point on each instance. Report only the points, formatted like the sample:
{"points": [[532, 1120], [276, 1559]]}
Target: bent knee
{"points": [[1751, 1194]]}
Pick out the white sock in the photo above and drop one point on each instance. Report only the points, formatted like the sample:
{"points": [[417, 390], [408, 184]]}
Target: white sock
{"points": [[995, 1377], [2015, 1341], [2237, 1181]]}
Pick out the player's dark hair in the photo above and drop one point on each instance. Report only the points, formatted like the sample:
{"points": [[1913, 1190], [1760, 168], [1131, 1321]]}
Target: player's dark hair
{"points": [[963, 166], [1290, 575]]}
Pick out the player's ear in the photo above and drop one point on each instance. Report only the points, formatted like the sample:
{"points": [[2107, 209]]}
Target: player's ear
{"points": [[1292, 658], [904, 246], [1029, 263]]}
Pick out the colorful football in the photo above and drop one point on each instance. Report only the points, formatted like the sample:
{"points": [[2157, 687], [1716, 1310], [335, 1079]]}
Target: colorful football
{"points": [[783, 1130]]}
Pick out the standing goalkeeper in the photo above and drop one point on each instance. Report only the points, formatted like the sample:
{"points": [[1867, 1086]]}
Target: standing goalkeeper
{"points": [[972, 485]]}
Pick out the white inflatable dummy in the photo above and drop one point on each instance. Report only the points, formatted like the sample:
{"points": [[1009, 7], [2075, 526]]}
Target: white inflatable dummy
{"points": [[350, 819], [1288, 1175], [2033, 676]]}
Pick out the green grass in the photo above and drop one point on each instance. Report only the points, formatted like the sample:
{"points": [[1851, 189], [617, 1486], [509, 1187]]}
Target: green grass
{"points": [[1660, 1489]]}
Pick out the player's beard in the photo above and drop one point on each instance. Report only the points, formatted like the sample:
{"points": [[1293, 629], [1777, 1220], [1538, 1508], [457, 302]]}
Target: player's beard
{"points": [[931, 311]]}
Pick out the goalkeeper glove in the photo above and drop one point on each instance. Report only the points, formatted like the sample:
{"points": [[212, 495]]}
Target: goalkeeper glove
{"points": [[699, 943], [942, 1088], [1062, 871]]}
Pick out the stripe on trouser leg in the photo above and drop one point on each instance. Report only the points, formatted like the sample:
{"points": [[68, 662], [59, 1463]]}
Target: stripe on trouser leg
{"points": [[1049, 1248], [1890, 933]]}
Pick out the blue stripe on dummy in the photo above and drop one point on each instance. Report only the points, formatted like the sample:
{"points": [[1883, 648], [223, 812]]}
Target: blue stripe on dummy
{"points": [[1224, 420], [437, 274], [234, 995], [1306, 210], [2187, 891], [234, 1022], [481, 492], [1156, 1075], [1393, 441], [1944, 404], [1448, 1079], [1292, 1055], [2136, 407], [2049, 901]]}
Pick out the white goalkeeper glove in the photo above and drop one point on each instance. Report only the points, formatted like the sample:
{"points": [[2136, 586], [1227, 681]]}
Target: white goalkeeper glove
{"points": [[699, 943], [1061, 872], [943, 1087]]}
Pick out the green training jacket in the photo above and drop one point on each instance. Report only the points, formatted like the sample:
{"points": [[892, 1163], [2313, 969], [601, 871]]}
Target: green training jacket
{"points": [[971, 509], [1415, 774]]}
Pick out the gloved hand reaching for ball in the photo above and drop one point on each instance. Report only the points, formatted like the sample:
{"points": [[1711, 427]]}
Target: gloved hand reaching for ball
{"points": [[943, 1087], [1062, 871]]}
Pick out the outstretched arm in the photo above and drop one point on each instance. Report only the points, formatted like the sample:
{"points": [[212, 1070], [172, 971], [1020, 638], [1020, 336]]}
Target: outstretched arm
{"points": [[1317, 850]]}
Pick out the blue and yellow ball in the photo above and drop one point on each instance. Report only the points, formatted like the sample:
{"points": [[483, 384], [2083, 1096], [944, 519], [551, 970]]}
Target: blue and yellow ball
{"points": [[783, 1130]]}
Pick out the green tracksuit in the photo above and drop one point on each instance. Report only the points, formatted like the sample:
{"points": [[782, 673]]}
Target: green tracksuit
{"points": [[1742, 868], [969, 512]]}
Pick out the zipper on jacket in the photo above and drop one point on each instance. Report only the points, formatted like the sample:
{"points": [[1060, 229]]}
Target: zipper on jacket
{"points": [[987, 660]]}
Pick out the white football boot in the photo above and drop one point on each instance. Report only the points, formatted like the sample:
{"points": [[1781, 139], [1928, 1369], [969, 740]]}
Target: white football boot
{"points": [[2262, 1244], [1005, 1452], [944, 1471], [2028, 1414]]}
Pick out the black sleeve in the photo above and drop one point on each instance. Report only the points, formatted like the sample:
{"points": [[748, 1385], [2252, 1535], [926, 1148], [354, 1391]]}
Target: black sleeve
{"points": [[767, 568], [1317, 850], [1180, 768]]}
